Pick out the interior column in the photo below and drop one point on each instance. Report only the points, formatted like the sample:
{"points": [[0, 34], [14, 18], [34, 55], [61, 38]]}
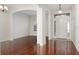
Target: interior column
{"points": [[49, 25], [41, 35]]}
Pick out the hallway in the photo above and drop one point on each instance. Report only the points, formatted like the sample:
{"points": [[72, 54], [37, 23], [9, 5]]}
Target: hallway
{"points": [[39, 29]]}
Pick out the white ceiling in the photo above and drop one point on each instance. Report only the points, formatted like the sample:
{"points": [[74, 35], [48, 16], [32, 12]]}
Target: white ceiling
{"points": [[53, 7], [56, 6]]}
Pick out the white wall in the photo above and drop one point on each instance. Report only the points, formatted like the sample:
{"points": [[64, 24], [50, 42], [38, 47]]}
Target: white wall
{"points": [[4, 26], [73, 24], [20, 25], [23, 25], [77, 26], [50, 25], [32, 21]]}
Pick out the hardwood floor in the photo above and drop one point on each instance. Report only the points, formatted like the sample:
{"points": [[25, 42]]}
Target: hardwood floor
{"points": [[28, 46], [24, 45]]}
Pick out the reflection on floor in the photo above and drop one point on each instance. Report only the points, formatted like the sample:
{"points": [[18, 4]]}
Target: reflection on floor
{"points": [[28, 46]]}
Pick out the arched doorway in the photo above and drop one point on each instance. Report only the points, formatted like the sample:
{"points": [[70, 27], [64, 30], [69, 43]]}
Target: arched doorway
{"points": [[24, 31]]}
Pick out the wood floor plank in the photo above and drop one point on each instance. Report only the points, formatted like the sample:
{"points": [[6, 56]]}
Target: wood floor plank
{"points": [[28, 46]]}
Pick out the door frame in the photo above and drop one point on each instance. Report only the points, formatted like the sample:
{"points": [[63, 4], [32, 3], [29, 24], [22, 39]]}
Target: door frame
{"points": [[67, 14]]}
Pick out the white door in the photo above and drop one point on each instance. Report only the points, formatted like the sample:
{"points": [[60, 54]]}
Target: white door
{"points": [[61, 26]]}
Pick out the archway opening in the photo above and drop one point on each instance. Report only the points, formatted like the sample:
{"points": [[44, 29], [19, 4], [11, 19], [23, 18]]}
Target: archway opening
{"points": [[25, 30]]}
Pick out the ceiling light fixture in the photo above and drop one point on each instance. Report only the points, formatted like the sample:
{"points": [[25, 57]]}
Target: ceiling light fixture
{"points": [[59, 11], [3, 8]]}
